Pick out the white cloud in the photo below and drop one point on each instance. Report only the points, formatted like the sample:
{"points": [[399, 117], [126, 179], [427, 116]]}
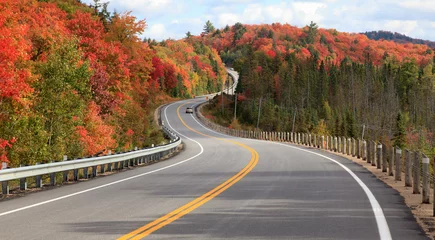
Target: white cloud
{"points": [[157, 31], [421, 5], [228, 19], [404, 27]]}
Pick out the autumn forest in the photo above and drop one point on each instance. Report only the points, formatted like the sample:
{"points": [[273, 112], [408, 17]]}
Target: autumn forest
{"points": [[77, 80]]}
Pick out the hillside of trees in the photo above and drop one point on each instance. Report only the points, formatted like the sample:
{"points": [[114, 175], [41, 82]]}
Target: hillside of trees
{"points": [[329, 82], [397, 37], [77, 80], [328, 45]]}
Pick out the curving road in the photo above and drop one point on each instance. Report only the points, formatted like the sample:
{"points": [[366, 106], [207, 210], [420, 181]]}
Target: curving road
{"points": [[219, 187]]}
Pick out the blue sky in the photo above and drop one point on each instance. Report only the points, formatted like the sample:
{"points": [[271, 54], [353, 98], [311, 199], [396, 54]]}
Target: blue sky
{"points": [[173, 18]]}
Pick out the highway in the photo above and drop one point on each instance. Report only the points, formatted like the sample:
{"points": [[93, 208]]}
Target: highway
{"points": [[219, 187]]}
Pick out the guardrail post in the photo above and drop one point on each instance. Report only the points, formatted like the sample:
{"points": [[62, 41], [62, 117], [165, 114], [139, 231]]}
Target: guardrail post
{"points": [[38, 181], [322, 145], [408, 169], [65, 173], [398, 159], [315, 141], [23, 184], [85, 173], [76, 174], [94, 171], [416, 173], [109, 167], [327, 142], [52, 179], [426, 184], [102, 168], [349, 147], [5, 188]]}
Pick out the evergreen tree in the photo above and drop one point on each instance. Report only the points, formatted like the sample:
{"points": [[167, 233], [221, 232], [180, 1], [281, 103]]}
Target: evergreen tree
{"points": [[208, 27], [400, 134]]}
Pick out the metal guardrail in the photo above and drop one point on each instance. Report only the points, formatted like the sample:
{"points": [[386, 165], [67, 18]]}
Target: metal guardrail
{"points": [[109, 162], [226, 90]]}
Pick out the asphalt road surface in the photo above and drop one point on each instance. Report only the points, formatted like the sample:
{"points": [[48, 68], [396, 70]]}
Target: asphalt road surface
{"points": [[219, 187]]}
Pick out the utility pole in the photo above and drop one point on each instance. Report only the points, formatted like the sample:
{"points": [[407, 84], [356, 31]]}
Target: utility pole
{"points": [[235, 107], [259, 112]]}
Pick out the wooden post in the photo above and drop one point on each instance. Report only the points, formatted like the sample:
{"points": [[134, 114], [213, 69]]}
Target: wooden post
{"points": [[344, 145], [391, 155], [426, 183], [398, 159], [373, 153], [408, 169], [384, 158], [381, 159], [364, 150], [378, 150], [358, 148], [339, 145], [416, 173], [353, 147], [369, 151], [433, 205]]}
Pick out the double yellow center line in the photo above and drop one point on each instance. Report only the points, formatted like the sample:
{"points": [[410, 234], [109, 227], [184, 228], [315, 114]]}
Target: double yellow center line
{"points": [[183, 210]]}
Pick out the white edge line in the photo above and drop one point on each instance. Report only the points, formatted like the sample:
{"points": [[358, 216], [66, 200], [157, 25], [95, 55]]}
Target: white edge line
{"points": [[115, 182], [381, 221]]}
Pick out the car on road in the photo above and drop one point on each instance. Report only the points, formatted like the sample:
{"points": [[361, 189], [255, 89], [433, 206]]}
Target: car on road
{"points": [[189, 110]]}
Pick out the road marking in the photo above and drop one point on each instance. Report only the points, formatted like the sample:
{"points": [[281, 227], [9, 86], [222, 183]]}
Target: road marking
{"points": [[381, 221], [183, 210], [112, 183]]}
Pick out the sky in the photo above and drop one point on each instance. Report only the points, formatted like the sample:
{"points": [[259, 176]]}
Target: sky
{"points": [[174, 18]]}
